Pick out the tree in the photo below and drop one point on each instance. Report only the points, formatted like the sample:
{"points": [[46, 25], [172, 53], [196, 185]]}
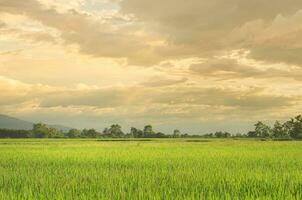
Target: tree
{"points": [[8, 133], [116, 130], [73, 133], [227, 135], [278, 130], [148, 131], [221, 134], [160, 135], [140, 133], [208, 135], [252, 134], [133, 132], [54, 133], [40, 130], [106, 131], [84, 132], [239, 135], [287, 128], [136, 133], [262, 130], [294, 127], [176, 133], [91, 133]]}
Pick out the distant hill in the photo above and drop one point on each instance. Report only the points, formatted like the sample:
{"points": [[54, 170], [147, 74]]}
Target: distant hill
{"points": [[14, 123], [8, 122]]}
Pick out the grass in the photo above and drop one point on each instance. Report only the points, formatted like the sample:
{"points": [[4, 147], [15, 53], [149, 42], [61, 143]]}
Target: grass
{"points": [[150, 169]]}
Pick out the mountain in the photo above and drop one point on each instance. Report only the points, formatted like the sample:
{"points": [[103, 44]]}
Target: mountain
{"points": [[8, 122], [14, 123]]}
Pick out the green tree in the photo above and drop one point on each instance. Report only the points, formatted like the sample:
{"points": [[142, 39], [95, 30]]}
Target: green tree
{"points": [[294, 127], [219, 134], [91, 133], [40, 130], [287, 127], [106, 131], [148, 131], [176, 133], [84, 133], [140, 133], [252, 134], [278, 130], [9, 133], [116, 130], [73, 133], [227, 135], [160, 135], [133, 132], [55, 133], [262, 130]]}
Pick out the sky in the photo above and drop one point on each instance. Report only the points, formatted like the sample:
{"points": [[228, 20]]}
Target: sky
{"points": [[197, 66]]}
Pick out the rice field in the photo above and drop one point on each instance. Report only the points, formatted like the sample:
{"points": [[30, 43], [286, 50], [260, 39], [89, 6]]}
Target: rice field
{"points": [[150, 169]]}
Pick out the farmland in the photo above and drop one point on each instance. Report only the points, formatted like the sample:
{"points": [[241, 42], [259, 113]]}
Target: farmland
{"points": [[150, 169]]}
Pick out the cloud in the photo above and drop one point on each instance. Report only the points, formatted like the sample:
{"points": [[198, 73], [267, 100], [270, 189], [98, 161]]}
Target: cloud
{"points": [[2, 25], [241, 99], [225, 68], [16, 92], [163, 82], [113, 97], [210, 60], [205, 26], [279, 41], [13, 52], [156, 31], [243, 67], [22, 28], [159, 104], [93, 37]]}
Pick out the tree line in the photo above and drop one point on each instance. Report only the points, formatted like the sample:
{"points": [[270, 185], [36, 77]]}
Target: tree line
{"points": [[291, 129], [41, 130]]}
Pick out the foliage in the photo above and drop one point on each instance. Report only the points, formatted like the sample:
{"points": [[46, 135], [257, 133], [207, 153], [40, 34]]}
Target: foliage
{"points": [[221, 134], [114, 131], [148, 132], [41, 130], [73, 133], [291, 129], [176, 133], [294, 127], [7, 133], [262, 130], [90, 133]]}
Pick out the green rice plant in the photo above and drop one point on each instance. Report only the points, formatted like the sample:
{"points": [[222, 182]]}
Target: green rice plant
{"points": [[157, 169]]}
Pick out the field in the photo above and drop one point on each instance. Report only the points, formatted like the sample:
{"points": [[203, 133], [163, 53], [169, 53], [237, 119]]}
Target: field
{"points": [[150, 169]]}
